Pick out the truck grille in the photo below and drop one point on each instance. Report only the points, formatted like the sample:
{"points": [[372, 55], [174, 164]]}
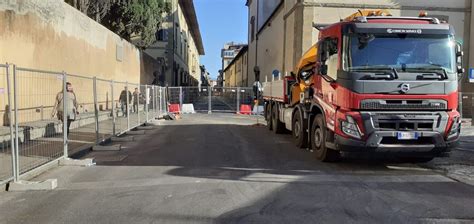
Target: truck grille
{"points": [[405, 122], [403, 105]]}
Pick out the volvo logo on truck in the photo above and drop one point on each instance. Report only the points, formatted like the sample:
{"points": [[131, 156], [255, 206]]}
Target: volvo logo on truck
{"points": [[404, 88]]}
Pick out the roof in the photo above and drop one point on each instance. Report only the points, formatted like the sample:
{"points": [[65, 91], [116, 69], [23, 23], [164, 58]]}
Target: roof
{"points": [[241, 52], [190, 14]]}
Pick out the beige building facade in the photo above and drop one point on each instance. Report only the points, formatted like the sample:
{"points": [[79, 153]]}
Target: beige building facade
{"points": [[178, 47], [235, 74], [280, 31]]}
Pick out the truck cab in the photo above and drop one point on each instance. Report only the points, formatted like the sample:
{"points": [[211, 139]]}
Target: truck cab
{"points": [[374, 84]]}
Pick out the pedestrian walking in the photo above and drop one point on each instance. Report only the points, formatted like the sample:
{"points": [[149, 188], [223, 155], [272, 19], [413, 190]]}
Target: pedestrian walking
{"points": [[136, 99], [123, 100], [71, 106], [257, 88]]}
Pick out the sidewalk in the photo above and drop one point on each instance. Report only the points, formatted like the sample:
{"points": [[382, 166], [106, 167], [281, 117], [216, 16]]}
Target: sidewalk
{"points": [[42, 141], [460, 164]]}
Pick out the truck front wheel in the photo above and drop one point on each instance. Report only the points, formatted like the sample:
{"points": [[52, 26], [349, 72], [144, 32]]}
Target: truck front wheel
{"points": [[299, 131], [318, 141]]}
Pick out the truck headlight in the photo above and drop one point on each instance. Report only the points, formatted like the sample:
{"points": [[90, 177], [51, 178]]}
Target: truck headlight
{"points": [[350, 127]]}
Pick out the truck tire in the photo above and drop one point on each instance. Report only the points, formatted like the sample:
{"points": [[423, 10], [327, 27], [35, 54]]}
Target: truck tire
{"points": [[318, 141], [268, 115], [298, 130], [277, 125]]}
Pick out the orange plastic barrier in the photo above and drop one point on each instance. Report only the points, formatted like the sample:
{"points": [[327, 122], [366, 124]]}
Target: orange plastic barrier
{"points": [[245, 109], [174, 108]]}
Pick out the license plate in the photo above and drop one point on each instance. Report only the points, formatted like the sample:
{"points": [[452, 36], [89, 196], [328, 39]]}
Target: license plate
{"points": [[407, 135]]}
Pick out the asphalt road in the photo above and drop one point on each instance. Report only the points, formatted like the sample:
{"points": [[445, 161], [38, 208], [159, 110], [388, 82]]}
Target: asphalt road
{"points": [[221, 169]]}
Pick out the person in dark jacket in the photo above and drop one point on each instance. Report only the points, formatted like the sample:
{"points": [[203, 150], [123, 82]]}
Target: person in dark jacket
{"points": [[137, 96], [123, 100]]}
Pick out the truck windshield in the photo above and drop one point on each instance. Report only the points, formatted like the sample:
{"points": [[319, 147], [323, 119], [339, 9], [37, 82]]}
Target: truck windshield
{"points": [[400, 51]]}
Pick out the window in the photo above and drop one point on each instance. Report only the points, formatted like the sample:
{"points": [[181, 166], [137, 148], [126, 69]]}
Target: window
{"points": [[182, 44], [402, 52], [252, 31], [177, 40], [329, 57], [194, 63], [162, 35], [266, 9], [228, 53]]}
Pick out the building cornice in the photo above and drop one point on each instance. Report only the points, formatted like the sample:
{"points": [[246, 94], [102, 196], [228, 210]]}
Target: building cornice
{"points": [[241, 52], [190, 14]]}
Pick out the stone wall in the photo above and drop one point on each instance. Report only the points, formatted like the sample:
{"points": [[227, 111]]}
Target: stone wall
{"points": [[53, 36]]}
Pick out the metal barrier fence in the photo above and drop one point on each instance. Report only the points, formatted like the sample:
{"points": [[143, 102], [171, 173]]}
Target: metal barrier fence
{"points": [[210, 99], [35, 105], [7, 169]]}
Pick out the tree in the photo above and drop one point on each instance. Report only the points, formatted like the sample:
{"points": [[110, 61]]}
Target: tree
{"points": [[96, 9], [136, 20], [81, 5]]}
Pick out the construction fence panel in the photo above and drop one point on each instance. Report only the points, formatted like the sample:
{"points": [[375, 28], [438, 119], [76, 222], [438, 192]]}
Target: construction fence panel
{"points": [[161, 100], [39, 136], [224, 99], [245, 98], [195, 99], [6, 152], [174, 94], [83, 127], [174, 99], [121, 105], [105, 109], [145, 102], [136, 110]]}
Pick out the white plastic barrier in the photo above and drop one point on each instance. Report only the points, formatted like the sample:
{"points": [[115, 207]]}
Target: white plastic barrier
{"points": [[259, 111], [188, 109]]}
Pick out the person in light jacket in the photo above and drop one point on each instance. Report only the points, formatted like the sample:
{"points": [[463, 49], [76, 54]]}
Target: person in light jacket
{"points": [[71, 106]]}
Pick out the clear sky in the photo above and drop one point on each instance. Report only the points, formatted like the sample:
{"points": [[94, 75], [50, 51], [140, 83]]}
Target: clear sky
{"points": [[220, 21]]}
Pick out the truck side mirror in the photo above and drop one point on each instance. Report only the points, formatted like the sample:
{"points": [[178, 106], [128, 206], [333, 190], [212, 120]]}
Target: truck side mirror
{"points": [[459, 57], [459, 53]]}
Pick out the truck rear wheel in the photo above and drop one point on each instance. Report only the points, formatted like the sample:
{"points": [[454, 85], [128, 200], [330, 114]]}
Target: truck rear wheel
{"points": [[318, 141], [299, 131], [277, 125], [268, 115]]}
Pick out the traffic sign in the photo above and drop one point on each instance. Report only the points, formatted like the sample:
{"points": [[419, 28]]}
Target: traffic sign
{"points": [[471, 75]]}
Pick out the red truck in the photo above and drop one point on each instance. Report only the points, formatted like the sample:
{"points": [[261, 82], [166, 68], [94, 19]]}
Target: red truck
{"points": [[373, 83]]}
